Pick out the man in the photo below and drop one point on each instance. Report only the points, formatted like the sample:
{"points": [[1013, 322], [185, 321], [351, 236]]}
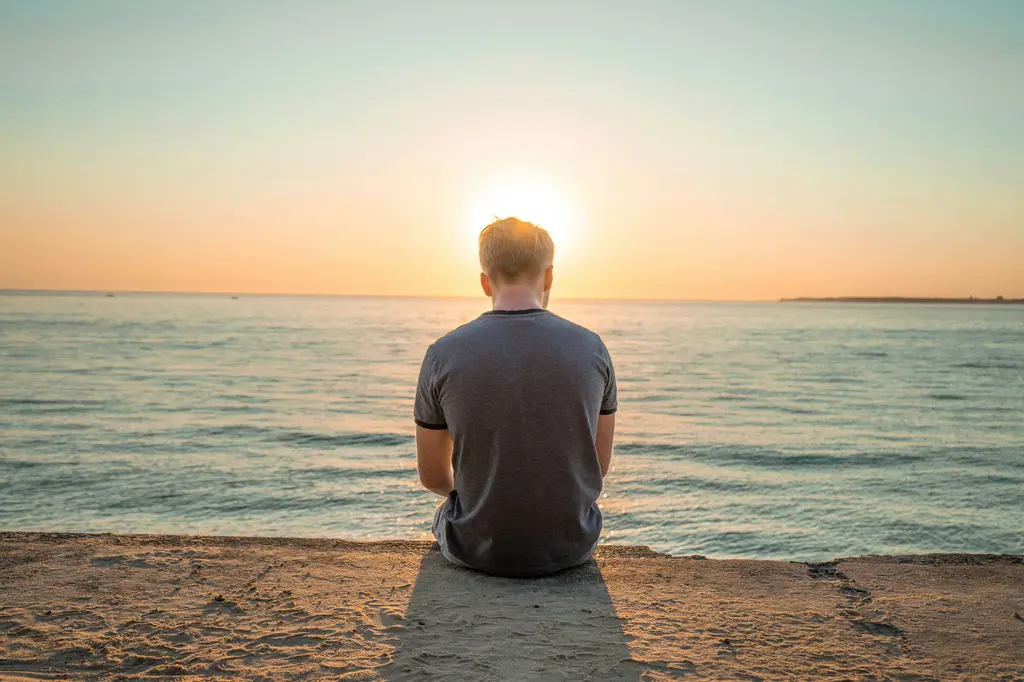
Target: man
{"points": [[515, 416]]}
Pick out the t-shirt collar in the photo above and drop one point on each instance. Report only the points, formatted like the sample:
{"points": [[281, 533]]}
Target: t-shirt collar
{"points": [[523, 311]]}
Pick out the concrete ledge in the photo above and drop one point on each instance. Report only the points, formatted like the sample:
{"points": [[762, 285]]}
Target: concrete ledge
{"points": [[152, 606]]}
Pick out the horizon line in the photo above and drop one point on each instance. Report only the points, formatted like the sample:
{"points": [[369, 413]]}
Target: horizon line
{"points": [[624, 299], [168, 292]]}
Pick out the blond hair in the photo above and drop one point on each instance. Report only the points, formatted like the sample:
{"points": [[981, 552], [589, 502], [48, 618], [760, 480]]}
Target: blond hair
{"points": [[513, 249]]}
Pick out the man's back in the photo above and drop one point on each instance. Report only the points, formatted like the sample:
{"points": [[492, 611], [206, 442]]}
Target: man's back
{"points": [[520, 393]]}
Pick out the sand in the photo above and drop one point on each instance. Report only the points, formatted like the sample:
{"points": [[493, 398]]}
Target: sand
{"points": [[151, 607]]}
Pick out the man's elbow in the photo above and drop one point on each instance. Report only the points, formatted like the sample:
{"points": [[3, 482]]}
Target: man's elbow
{"points": [[434, 482], [427, 481]]}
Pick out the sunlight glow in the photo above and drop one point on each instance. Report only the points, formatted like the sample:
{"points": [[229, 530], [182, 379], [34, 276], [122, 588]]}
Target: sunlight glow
{"points": [[529, 200]]}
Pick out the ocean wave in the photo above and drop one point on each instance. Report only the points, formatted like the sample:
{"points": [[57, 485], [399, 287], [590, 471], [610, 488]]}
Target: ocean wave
{"points": [[683, 483], [986, 365], [651, 398], [346, 439], [18, 464], [795, 410], [302, 438], [127, 485], [56, 406], [758, 456], [255, 504], [227, 441], [211, 501], [342, 473], [1008, 458], [48, 402]]}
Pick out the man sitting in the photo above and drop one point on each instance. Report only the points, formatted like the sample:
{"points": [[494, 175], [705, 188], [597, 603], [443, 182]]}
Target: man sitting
{"points": [[515, 416]]}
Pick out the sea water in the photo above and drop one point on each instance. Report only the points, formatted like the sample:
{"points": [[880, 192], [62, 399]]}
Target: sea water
{"points": [[771, 430]]}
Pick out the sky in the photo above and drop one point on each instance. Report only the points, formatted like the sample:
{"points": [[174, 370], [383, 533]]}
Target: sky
{"points": [[677, 150]]}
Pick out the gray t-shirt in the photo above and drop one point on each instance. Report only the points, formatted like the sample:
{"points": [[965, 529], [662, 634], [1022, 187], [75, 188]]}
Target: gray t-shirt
{"points": [[520, 392]]}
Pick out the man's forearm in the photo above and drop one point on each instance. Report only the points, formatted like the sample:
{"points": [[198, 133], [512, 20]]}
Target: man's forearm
{"points": [[605, 437], [434, 460]]}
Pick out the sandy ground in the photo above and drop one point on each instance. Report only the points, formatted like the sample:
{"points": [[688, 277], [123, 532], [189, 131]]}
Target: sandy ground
{"points": [[151, 607]]}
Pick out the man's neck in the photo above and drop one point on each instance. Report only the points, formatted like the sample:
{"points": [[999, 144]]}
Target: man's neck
{"points": [[515, 298]]}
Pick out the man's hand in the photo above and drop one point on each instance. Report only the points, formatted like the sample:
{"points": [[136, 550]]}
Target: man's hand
{"points": [[605, 436], [434, 460]]}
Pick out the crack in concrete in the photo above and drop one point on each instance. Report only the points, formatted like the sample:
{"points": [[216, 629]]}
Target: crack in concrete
{"points": [[872, 622]]}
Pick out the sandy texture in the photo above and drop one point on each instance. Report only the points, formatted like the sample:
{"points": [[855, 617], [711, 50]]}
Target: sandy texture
{"points": [[119, 607]]}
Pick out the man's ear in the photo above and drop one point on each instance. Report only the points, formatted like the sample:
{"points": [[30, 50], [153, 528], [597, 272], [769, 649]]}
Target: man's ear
{"points": [[486, 284], [549, 276]]}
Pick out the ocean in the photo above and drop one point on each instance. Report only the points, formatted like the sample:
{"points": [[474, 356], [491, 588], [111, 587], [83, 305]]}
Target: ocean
{"points": [[800, 431]]}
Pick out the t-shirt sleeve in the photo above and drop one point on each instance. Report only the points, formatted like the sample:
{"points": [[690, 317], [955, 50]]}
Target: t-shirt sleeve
{"points": [[427, 409], [610, 400]]}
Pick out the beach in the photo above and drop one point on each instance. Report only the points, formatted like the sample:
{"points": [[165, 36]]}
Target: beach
{"points": [[75, 606], [725, 296]]}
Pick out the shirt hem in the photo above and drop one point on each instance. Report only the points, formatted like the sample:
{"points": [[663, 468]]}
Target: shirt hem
{"points": [[432, 427]]}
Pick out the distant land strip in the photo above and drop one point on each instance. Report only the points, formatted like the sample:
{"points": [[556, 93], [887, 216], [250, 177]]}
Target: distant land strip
{"points": [[999, 300]]}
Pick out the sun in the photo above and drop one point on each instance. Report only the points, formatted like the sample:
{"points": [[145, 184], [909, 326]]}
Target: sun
{"points": [[527, 199]]}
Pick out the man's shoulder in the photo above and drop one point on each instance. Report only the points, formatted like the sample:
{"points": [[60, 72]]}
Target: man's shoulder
{"points": [[481, 328], [458, 335], [577, 329]]}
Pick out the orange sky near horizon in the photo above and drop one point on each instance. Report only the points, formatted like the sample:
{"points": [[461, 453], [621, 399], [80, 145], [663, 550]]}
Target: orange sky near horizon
{"points": [[735, 151]]}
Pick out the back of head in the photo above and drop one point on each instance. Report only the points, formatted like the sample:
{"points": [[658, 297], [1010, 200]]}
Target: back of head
{"points": [[513, 250]]}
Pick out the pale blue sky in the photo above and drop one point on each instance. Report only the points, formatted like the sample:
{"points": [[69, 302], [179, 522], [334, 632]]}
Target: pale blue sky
{"points": [[707, 149]]}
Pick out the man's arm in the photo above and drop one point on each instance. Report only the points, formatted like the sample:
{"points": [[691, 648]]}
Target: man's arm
{"points": [[605, 436], [434, 460]]}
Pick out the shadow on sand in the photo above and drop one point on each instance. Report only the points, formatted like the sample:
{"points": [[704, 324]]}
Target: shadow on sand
{"points": [[461, 624]]}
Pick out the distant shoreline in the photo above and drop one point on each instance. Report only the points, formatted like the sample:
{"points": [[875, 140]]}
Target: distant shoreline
{"points": [[903, 299]]}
